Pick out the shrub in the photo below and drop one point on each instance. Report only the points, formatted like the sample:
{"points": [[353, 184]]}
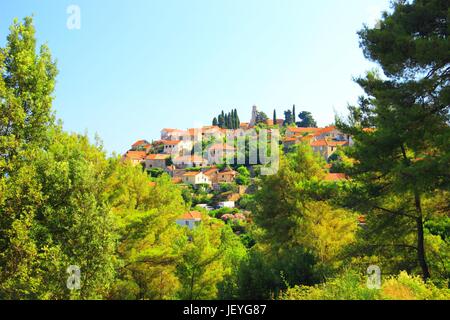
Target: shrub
{"points": [[352, 286]]}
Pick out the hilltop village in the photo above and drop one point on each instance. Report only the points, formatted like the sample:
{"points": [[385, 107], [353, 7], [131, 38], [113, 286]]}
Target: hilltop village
{"points": [[210, 178]]}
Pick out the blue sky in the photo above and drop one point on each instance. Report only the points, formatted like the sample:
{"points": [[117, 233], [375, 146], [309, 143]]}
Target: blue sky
{"points": [[138, 66]]}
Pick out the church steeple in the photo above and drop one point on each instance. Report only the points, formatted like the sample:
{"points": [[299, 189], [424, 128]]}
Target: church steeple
{"points": [[254, 114]]}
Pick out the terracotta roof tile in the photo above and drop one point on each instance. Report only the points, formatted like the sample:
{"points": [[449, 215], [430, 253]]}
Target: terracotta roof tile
{"points": [[191, 215], [140, 143], [170, 142], [157, 157], [135, 155], [335, 177]]}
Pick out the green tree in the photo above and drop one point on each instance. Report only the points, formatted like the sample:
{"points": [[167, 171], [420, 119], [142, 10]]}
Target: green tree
{"points": [[209, 256], [306, 120], [402, 160], [51, 200], [261, 117], [294, 115], [221, 120], [288, 118], [289, 208], [145, 216]]}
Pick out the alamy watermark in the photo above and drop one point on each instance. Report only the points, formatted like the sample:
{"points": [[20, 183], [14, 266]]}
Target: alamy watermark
{"points": [[74, 19], [374, 277], [74, 280]]}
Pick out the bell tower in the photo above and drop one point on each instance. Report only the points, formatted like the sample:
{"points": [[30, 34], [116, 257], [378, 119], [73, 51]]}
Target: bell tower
{"points": [[253, 119]]}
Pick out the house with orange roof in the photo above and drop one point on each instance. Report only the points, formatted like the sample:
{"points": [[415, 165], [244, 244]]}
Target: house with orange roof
{"points": [[195, 178], [299, 132], [165, 133], [190, 219], [208, 132], [183, 162], [182, 135], [156, 161], [176, 147], [140, 145], [332, 133], [170, 146], [218, 151], [226, 176], [290, 141], [326, 147], [279, 122], [211, 173], [216, 176], [135, 157]]}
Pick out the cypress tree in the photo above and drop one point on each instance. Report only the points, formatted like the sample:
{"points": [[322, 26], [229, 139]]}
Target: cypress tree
{"points": [[293, 114]]}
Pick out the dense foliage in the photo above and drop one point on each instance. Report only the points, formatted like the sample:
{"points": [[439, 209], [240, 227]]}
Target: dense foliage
{"points": [[293, 235]]}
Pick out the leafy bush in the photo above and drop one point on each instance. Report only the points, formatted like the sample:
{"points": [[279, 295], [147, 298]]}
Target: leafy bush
{"points": [[352, 286]]}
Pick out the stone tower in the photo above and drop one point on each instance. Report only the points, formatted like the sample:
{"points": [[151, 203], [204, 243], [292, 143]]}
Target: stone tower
{"points": [[254, 113]]}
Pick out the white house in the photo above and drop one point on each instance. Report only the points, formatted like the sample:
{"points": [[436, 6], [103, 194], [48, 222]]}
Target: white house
{"points": [[226, 204], [195, 161], [165, 133], [218, 151], [190, 219], [195, 178]]}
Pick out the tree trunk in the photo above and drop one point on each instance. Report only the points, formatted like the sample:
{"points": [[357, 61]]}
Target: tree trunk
{"points": [[420, 240]]}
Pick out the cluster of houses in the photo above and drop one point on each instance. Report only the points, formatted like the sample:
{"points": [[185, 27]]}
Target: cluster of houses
{"points": [[172, 153], [324, 141]]}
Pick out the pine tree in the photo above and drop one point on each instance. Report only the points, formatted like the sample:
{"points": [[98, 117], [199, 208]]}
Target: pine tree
{"points": [[287, 117], [221, 120], [293, 114], [274, 117], [238, 121], [402, 161], [214, 122]]}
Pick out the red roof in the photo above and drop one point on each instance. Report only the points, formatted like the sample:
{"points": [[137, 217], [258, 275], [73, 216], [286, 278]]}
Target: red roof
{"points": [[328, 129], [269, 122], [302, 130], [135, 155], [323, 143], [157, 157], [335, 177], [170, 142], [191, 173], [191, 215], [140, 143], [233, 173], [211, 171]]}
